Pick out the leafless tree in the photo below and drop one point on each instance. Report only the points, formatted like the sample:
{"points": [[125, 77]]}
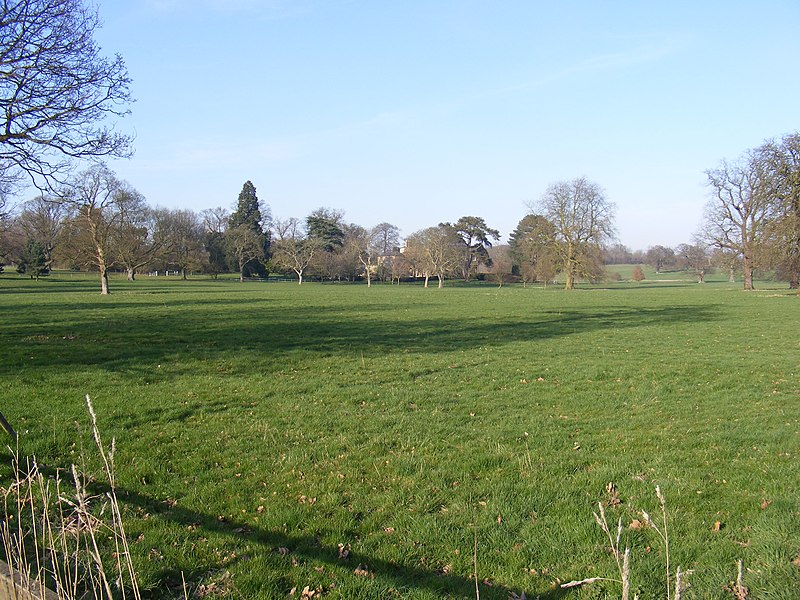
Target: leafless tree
{"points": [[293, 248], [583, 220], [94, 197], [42, 219], [434, 251], [57, 91], [737, 216], [215, 219], [783, 179]]}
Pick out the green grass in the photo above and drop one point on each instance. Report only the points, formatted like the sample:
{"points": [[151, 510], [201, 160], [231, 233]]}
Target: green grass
{"points": [[404, 422]]}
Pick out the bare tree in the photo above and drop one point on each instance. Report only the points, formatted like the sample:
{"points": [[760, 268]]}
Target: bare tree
{"points": [[94, 197], [42, 219], [738, 214], [583, 220], [215, 220], [783, 165], [502, 265], [144, 235], [660, 257], [56, 91], [694, 257], [294, 249], [434, 251]]}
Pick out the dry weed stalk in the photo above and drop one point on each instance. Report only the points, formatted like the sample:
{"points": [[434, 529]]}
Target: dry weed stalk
{"points": [[623, 560], [51, 536]]}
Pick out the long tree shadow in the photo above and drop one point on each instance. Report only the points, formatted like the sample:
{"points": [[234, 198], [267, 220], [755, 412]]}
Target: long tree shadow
{"points": [[214, 330], [304, 547]]}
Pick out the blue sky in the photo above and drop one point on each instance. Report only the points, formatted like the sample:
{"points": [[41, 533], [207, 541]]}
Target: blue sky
{"points": [[418, 112]]}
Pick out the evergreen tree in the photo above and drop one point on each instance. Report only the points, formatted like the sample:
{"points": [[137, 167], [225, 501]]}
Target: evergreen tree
{"points": [[248, 214], [33, 260]]}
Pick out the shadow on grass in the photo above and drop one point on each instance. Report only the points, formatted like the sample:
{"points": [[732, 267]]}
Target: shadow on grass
{"points": [[207, 330], [304, 547]]}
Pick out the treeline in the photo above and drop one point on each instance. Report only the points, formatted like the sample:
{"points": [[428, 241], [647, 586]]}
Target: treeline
{"points": [[100, 223]]}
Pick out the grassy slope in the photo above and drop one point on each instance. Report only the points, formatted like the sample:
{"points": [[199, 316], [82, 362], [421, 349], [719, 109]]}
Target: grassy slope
{"points": [[401, 421]]}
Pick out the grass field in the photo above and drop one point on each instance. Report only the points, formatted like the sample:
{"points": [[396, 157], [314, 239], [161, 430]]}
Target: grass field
{"points": [[260, 425]]}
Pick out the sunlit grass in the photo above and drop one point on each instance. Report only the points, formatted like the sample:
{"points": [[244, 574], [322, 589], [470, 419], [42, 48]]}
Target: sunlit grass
{"points": [[252, 418]]}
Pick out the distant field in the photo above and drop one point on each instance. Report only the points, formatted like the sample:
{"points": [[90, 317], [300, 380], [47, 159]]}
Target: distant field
{"points": [[411, 424]]}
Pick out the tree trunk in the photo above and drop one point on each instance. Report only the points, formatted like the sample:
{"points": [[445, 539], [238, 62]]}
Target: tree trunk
{"points": [[570, 284], [732, 275], [131, 274], [183, 272], [747, 267], [441, 281], [299, 277], [103, 282], [426, 280]]}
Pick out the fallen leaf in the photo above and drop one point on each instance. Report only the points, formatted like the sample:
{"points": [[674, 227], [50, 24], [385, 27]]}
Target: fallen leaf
{"points": [[717, 526], [362, 571], [636, 524], [765, 503], [388, 530], [796, 561], [344, 551]]}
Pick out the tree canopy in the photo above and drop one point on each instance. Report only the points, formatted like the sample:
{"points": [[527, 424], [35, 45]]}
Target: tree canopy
{"points": [[56, 91]]}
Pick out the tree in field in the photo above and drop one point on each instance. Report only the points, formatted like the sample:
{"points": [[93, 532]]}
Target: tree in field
{"points": [[502, 265], [294, 249], [737, 216], [695, 258], [33, 260], [143, 234], [434, 251], [533, 249], [215, 223], [249, 214], [56, 90], [783, 180], [474, 235], [326, 229], [637, 274], [42, 219], [95, 197], [583, 220], [660, 257]]}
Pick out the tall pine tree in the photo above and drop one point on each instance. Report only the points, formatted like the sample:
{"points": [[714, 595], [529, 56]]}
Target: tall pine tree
{"points": [[248, 215]]}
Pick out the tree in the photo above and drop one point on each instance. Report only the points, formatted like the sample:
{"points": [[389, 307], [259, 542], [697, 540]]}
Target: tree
{"points": [[533, 249], [502, 265], [249, 214], [294, 250], [660, 257], [326, 227], [637, 274], [95, 196], [143, 234], [435, 251], [474, 236], [783, 165], [694, 257], [57, 91], [583, 220], [33, 260], [42, 219], [737, 216]]}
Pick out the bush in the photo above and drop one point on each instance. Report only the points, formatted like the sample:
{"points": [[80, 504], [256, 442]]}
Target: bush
{"points": [[638, 274]]}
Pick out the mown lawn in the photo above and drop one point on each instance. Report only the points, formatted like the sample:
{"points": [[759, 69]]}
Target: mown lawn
{"points": [[260, 425]]}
